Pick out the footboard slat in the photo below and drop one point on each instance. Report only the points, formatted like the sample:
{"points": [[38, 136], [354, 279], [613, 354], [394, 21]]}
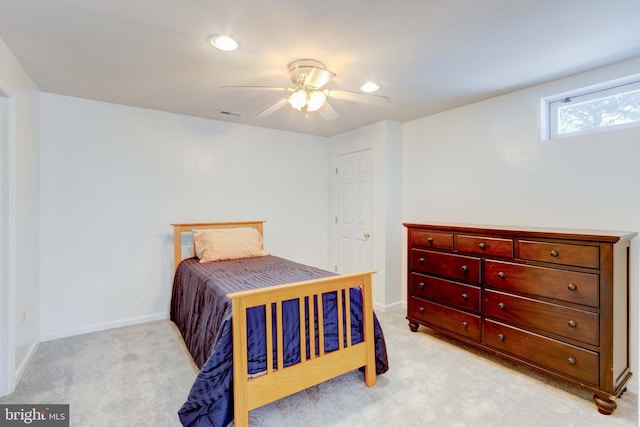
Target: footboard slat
{"points": [[269, 337], [280, 339], [275, 384], [347, 305], [320, 326], [302, 331], [340, 320], [312, 326]]}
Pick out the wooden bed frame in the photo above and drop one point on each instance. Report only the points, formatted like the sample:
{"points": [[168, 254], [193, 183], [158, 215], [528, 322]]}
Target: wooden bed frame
{"points": [[274, 384]]}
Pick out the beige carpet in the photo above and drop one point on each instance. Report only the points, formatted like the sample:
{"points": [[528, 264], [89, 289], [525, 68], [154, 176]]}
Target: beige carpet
{"points": [[140, 375]]}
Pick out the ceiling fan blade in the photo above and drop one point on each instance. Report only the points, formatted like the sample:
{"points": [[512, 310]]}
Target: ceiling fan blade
{"points": [[358, 97], [273, 108], [318, 77], [278, 88], [327, 112]]}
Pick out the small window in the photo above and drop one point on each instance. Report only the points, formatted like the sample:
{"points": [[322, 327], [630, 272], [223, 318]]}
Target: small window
{"points": [[595, 109]]}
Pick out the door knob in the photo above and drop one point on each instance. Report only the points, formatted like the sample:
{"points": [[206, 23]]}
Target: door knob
{"points": [[367, 235]]}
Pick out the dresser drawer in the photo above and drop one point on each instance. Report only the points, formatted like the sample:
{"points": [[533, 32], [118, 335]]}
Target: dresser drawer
{"points": [[431, 239], [484, 245], [570, 286], [456, 321], [446, 265], [560, 357], [458, 294], [558, 253], [567, 322]]}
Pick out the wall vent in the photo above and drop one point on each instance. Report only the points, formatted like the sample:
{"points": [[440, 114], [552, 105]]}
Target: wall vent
{"points": [[230, 113]]}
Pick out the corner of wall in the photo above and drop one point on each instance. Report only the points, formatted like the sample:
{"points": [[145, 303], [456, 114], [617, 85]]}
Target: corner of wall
{"points": [[26, 359], [21, 195]]}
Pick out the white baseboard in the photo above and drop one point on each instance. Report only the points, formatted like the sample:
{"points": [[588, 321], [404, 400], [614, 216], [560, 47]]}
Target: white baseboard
{"points": [[26, 359], [103, 326], [388, 307]]}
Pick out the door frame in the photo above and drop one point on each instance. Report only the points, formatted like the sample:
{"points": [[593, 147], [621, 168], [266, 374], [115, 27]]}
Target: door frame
{"points": [[7, 241]]}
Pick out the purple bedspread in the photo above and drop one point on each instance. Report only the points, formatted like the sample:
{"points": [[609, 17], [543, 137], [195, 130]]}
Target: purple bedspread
{"points": [[202, 312]]}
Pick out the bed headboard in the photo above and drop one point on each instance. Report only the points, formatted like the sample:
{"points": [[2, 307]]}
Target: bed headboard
{"points": [[178, 229]]}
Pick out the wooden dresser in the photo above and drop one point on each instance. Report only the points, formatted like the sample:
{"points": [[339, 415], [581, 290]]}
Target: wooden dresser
{"points": [[555, 300]]}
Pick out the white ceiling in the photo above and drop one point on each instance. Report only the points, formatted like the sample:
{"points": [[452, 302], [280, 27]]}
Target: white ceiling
{"points": [[429, 56]]}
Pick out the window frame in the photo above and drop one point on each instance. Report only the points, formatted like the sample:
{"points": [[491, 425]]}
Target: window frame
{"points": [[550, 106]]}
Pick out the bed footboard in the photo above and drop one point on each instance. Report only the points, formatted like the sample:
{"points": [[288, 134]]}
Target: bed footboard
{"points": [[320, 366]]}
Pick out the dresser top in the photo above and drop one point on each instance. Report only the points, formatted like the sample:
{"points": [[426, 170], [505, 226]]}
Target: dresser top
{"points": [[517, 231]]}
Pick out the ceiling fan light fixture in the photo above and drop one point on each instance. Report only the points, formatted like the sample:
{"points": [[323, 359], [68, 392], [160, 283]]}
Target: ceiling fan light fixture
{"points": [[316, 100], [225, 43], [298, 99], [318, 77], [370, 87], [307, 75]]}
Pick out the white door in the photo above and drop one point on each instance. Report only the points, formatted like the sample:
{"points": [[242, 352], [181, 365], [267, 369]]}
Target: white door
{"points": [[354, 218]]}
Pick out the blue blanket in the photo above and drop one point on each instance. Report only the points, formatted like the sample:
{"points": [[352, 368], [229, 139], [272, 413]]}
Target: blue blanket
{"points": [[202, 312]]}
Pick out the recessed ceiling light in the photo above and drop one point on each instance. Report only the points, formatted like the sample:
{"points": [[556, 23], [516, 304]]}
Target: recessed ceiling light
{"points": [[225, 43], [370, 87]]}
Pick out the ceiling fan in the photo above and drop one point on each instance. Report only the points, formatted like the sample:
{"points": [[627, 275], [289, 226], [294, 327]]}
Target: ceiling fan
{"points": [[309, 77]]}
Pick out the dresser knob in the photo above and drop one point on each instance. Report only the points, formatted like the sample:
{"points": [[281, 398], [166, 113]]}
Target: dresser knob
{"points": [[421, 260], [464, 268], [421, 309], [571, 361], [430, 240], [501, 337], [554, 253], [465, 297], [482, 245], [421, 285], [501, 306], [501, 275], [572, 287], [572, 323]]}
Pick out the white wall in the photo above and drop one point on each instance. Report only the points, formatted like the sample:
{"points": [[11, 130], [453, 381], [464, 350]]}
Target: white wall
{"points": [[484, 164], [19, 290], [393, 215], [113, 179], [385, 138]]}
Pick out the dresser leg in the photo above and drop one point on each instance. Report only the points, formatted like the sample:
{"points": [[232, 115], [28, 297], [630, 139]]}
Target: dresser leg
{"points": [[413, 327], [605, 406]]}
